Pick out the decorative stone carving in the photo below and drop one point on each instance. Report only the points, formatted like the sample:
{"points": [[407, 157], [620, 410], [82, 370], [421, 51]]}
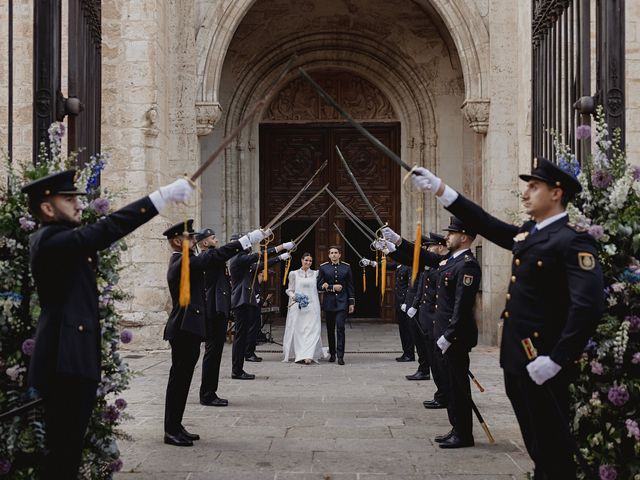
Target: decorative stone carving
{"points": [[207, 115], [151, 129], [476, 111], [297, 101]]}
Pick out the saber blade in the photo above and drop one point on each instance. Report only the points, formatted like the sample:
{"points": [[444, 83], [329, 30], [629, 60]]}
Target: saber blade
{"points": [[347, 241]]}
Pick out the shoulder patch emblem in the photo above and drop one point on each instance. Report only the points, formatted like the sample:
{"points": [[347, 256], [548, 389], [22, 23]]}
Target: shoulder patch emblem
{"points": [[586, 261], [521, 236], [467, 280]]}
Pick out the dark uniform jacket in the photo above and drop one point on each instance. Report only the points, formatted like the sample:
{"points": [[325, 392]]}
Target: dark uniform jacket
{"points": [[403, 279], [424, 299], [338, 274], [193, 317], [242, 269], [63, 263], [458, 281], [555, 295]]}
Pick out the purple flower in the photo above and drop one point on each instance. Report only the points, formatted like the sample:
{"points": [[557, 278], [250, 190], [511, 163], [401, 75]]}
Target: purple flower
{"points": [[5, 466], [618, 396], [601, 179], [111, 413], [26, 224], [583, 131], [28, 345], [608, 472], [592, 346], [121, 403], [634, 322], [596, 368], [636, 172], [632, 428], [116, 465], [126, 336], [100, 206], [635, 359], [596, 231]]}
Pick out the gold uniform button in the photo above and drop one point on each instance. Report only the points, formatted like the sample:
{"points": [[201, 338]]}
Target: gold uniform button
{"points": [[517, 262], [513, 279], [143, 210], [539, 263], [508, 296], [536, 334], [506, 314], [80, 328]]}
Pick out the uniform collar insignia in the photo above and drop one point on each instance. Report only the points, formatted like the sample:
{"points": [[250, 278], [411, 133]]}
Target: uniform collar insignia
{"points": [[521, 236], [443, 262]]}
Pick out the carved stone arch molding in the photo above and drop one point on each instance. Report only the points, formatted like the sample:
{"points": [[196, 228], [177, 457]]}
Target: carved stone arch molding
{"points": [[355, 55], [461, 18]]}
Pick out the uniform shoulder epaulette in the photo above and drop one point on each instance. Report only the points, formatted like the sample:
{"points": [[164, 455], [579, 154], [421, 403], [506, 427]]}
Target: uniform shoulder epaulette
{"points": [[468, 258], [577, 228], [345, 263], [324, 263]]}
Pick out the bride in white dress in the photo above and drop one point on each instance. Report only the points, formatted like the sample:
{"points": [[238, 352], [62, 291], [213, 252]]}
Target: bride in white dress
{"points": [[302, 333]]}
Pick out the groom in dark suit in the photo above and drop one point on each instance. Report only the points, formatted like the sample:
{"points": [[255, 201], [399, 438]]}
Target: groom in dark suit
{"points": [[335, 280]]}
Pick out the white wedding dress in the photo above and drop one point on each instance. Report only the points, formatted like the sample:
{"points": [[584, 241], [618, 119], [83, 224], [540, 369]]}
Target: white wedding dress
{"points": [[302, 333]]}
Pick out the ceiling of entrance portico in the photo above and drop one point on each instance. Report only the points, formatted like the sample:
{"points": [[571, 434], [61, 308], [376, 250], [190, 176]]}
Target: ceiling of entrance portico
{"points": [[248, 29]]}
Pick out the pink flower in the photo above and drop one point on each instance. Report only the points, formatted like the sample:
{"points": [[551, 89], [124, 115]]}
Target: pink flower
{"points": [[28, 345], [597, 368], [618, 395], [632, 428], [596, 231], [126, 336], [583, 131], [608, 472], [26, 224], [635, 359]]}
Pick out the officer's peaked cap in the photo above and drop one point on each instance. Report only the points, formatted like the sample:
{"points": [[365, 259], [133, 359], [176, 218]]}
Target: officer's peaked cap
{"points": [[456, 225], [204, 233], [548, 172], [60, 183], [179, 228]]}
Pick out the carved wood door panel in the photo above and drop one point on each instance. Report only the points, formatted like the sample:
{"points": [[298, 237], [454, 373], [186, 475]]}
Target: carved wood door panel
{"points": [[289, 154]]}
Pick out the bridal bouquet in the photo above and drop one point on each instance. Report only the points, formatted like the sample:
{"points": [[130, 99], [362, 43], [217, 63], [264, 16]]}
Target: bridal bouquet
{"points": [[302, 300]]}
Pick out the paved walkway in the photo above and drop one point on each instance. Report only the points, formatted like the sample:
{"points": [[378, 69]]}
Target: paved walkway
{"points": [[361, 421]]}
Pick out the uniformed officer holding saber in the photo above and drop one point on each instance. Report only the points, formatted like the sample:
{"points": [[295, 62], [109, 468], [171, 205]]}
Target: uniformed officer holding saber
{"points": [[555, 299]]}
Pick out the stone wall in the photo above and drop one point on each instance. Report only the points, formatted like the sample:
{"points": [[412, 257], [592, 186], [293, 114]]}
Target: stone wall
{"points": [[632, 80]]}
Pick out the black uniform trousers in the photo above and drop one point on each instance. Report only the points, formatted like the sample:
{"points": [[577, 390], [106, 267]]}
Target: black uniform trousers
{"points": [[407, 337], [67, 410], [336, 321], [213, 356], [456, 360], [245, 316], [543, 431], [185, 350], [439, 376], [420, 341], [252, 333]]}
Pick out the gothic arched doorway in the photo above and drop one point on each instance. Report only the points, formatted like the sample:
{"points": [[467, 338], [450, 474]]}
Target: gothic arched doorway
{"points": [[297, 133]]}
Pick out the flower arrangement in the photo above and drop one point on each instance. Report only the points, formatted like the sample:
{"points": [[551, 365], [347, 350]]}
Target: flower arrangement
{"points": [[606, 394], [302, 300], [22, 437]]}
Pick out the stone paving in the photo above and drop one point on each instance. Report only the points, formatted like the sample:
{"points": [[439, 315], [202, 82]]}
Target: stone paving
{"points": [[361, 421]]}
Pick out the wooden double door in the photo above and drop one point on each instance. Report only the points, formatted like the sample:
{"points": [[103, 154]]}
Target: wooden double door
{"points": [[289, 155]]}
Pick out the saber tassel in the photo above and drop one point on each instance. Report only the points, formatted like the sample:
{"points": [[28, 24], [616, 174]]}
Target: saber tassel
{"points": [[185, 274], [286, 271], [416, 248], [377, 263], [265, 275], [383, 280], [364, 280]]}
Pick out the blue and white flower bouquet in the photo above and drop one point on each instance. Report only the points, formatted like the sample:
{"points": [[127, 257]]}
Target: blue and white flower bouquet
{"points": [[302, 300]]}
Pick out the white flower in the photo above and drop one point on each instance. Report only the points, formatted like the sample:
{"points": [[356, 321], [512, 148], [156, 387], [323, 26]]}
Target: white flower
{"points": [[611, 249]]}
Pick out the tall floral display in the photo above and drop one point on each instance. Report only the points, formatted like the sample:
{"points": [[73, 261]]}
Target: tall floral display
{"points": [[22, 436], [606, 410]]}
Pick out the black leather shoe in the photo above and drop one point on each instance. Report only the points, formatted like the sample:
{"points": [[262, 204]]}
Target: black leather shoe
{"points": [[404, 358], [418, 376], [454, 441], [214, 401], [340, 361], [189, 436], [243, 376], [332, 358], [433, 404], [253, 358], [177, 440], [445, 437]]}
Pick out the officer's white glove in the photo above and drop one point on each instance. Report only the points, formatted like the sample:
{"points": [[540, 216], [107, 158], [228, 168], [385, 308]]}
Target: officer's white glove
{"points": [[365, 262], [288, 245], [256, 236], [542, 369], [443, 343], [424, 180], [384, 245], [390, 235], [284, 256], [411, 312], [178, 191], [373, 263], [267, 232], [403, 307]]}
